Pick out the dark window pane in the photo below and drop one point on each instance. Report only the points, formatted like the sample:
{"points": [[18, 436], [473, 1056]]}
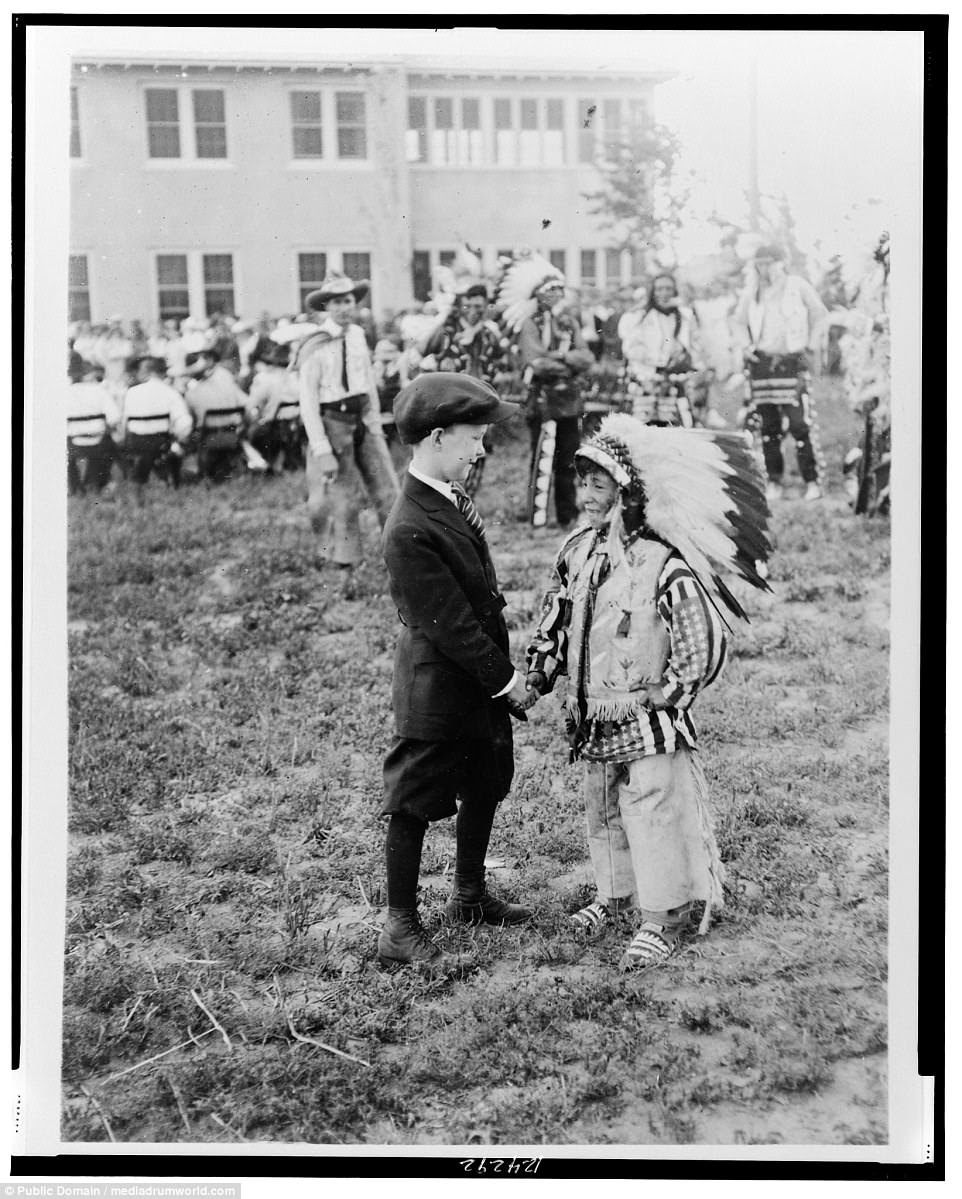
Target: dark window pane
{"points": [[219, 299], [557, 259], [305, 106], [351, 143], [218, 268], [357, 266], [587, 113], [589, 264], [505, 253], [311, 268], [174, 305], [75, 141], [77, 270], [350, 108], [162, 104], [78, 306], [612, 118], [443, 114], [308, 142], [471, 114], [163, 141], [421, 275], [637, 267], [172, 269], [209, 106], [73, 104], [613, 267], [502, 114], [417, 112], [529, 114], [555, 115], [446, 257], [211, 141]]}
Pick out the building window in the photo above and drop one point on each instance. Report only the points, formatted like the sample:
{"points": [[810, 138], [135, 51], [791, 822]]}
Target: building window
{"points": [[75, 150], [163, 123], [469, 136], [311, 269], [207, 107], [613, 130], [78, 288], [421, 275], [637, 268], [505, 138], [210, 123], [416, 144], [612, 268], [557, 259], [637, 114], [589, 267], [306, 124], [173, 295], [587, 124], [553, 142], [218, 271], [351, 125], [357, 266]]}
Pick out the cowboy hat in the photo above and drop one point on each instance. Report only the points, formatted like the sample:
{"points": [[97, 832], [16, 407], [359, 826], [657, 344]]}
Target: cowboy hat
{"points": [[336, 284]]}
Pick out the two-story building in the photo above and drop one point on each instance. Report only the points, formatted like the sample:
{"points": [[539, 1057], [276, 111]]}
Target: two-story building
{"points": [[200, 187]]}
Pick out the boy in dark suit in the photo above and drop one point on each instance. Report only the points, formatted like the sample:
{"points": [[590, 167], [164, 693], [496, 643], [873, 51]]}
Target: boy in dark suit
{"points": [[454, 683]]}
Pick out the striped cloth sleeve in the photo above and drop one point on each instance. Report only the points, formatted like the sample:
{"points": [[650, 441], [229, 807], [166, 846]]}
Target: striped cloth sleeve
{"points": [[547, 651], [698, 643]]}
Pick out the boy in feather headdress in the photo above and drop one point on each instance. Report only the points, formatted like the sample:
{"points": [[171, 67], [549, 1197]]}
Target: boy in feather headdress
{"points": [[632, 618]]}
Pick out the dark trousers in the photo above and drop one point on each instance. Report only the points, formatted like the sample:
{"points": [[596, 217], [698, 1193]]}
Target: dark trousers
{"points": [[425, 779], [147, 451], [89, 465], [778, 377], [567, 440]]}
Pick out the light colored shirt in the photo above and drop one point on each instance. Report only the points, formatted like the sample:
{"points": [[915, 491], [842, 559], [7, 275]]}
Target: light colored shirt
{"points": [[155, 398], [218, 390], [782, 317], [271, 387], [445, 489], [320, 380], [92, 412]]}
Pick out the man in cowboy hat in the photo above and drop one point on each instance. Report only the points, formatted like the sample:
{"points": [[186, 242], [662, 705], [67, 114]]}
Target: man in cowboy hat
{"points": [[341, 415], [453, 677], [779, 317]]}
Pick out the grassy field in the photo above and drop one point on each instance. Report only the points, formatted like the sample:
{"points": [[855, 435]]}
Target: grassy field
{"points": [[229, 710]]}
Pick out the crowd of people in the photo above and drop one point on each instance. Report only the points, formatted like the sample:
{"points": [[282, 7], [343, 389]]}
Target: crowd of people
{"points": [[258, 393]]}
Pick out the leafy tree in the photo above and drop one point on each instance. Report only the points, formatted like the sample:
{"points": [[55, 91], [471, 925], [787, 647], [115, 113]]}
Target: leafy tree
{"points": [[641, 198]]}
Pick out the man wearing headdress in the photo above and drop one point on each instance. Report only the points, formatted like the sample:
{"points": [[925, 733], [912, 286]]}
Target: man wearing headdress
{"points": [[554, 360], [347, 449], [632, 621], [779, 317], [466, 341]]}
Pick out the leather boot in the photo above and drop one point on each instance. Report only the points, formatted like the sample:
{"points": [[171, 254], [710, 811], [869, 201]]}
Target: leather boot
{"points": [[470, 903], [403, 942]]}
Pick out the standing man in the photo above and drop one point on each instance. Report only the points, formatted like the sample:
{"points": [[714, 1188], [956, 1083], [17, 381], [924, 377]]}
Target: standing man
{"points": [[466, 342], [347, 449], [454, 683], [554, 359], [778, 318]]}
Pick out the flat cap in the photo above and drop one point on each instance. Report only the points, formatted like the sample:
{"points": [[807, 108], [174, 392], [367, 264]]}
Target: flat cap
{"points": [[435, 401]]}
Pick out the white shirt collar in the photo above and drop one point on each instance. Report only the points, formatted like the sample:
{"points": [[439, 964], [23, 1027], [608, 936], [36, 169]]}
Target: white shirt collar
{"points": [[444, 488]]}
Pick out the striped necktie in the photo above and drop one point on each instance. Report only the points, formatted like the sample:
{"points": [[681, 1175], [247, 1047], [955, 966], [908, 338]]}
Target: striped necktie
{"points": [[467, 509]]}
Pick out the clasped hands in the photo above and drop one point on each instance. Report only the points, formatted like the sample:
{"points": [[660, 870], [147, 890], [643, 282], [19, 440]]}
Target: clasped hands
{"points": [[526, 692]]}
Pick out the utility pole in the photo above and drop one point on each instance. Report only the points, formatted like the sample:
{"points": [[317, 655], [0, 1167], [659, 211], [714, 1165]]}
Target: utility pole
{"points": [[754, 203]]}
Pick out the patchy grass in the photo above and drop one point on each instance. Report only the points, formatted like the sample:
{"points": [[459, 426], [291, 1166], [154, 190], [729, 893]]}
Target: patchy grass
{"points": [[229, 710]]}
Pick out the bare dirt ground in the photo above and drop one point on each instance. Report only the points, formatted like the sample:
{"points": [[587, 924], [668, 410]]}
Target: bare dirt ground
{"points": [[229, 706]]}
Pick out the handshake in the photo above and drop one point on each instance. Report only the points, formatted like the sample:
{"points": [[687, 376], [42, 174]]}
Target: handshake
{"points": [[526, 693]]}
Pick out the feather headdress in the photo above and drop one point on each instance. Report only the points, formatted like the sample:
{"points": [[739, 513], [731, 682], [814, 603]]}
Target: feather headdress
{"points": [[704, 495], [522, 280]]}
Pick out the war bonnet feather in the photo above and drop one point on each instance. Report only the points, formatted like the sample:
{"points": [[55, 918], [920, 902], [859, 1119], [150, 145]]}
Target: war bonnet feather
{"points": [[704, 495]]}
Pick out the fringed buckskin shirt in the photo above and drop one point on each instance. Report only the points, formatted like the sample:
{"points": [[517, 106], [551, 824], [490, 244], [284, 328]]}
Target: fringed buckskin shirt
{"points": [[583, 599]]}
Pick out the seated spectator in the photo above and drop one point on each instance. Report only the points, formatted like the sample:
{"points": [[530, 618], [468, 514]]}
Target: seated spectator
{"points": [[273, 408], [92, 418], [156, 423], [211, 391]]}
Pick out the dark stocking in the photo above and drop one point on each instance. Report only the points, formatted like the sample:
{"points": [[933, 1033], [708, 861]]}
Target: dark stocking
{"points": [[405, 836]]}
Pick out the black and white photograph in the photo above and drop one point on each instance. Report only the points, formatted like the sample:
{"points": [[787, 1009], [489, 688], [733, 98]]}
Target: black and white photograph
{"points": [[467, 470]]}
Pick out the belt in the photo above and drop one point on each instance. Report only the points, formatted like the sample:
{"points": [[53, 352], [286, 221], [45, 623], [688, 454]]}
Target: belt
{"points": [[346, 409]]}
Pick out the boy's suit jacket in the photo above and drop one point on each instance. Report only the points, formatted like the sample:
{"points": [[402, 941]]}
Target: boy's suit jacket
{"points": [[452, 654]]}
